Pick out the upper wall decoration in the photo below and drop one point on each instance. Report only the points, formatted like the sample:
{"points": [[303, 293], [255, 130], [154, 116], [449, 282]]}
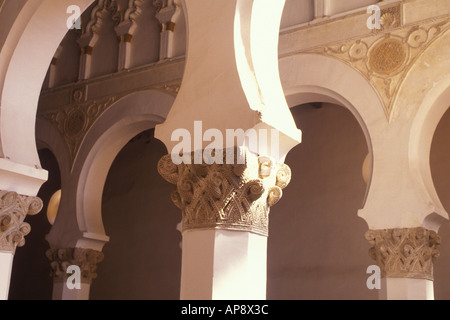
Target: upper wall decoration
{"points": [[386, 56]]}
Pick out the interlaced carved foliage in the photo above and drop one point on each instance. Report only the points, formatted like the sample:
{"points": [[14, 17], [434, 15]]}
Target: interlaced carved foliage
{"points": [[86, 259], [404, 253], [13, 210], [226, 196]]}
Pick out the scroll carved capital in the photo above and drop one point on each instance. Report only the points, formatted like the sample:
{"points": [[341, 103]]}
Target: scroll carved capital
{"points": [[86, 259], [404, 253], [226, 196], [13, 210]]}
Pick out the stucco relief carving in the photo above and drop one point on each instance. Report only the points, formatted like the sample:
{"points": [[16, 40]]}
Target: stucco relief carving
{"points": [[74, 121], [86, 259], [386, 56], [404, 253], [226, 196], [390, 18], [13, 210]]}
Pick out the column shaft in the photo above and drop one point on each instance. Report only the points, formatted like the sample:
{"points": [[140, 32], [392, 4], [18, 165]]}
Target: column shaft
{"points": [[225, 218], [13, 210], [223, 265]]}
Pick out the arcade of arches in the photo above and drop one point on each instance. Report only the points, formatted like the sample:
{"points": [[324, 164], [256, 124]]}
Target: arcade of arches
{"points": [[357, 176]]}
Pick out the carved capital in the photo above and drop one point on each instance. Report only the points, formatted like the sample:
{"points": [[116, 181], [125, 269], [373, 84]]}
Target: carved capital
{"points": [[404, 253], [226, 196], [13, 210], [86, 259]]}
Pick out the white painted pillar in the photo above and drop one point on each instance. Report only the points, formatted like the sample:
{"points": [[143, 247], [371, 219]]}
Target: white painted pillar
{"points": [[231, 83], [223, 265], [125, 35], [167, 16], [406, 289], [6, 261], [86, 43], [225, 218], [13, 210]]}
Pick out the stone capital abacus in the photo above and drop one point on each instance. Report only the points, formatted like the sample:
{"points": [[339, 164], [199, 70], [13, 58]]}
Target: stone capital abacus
{"points": [[404, 253], [13, 210], [226, 196]]}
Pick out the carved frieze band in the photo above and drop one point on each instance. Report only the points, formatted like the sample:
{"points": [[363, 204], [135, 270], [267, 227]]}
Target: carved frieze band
{"points": [[226, 196], [13, 210], [385, 57], [86, 259], [404, 253], [74, 120]]}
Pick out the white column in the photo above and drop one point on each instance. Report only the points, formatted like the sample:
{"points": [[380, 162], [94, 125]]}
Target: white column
{"points": [[406, 289], [86, 44], [223, 265], [13, 210], [6, 261], [225, 218], [167, 14], [231, 83]]}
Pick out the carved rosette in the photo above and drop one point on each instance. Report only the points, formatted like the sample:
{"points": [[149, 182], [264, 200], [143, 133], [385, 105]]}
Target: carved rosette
{"points": [[13, 210], [226, 196], [404, 253], [86, 259]]}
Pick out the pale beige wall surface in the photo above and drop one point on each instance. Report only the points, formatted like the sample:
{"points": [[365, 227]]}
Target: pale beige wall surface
{"points": [[317, 248]]}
